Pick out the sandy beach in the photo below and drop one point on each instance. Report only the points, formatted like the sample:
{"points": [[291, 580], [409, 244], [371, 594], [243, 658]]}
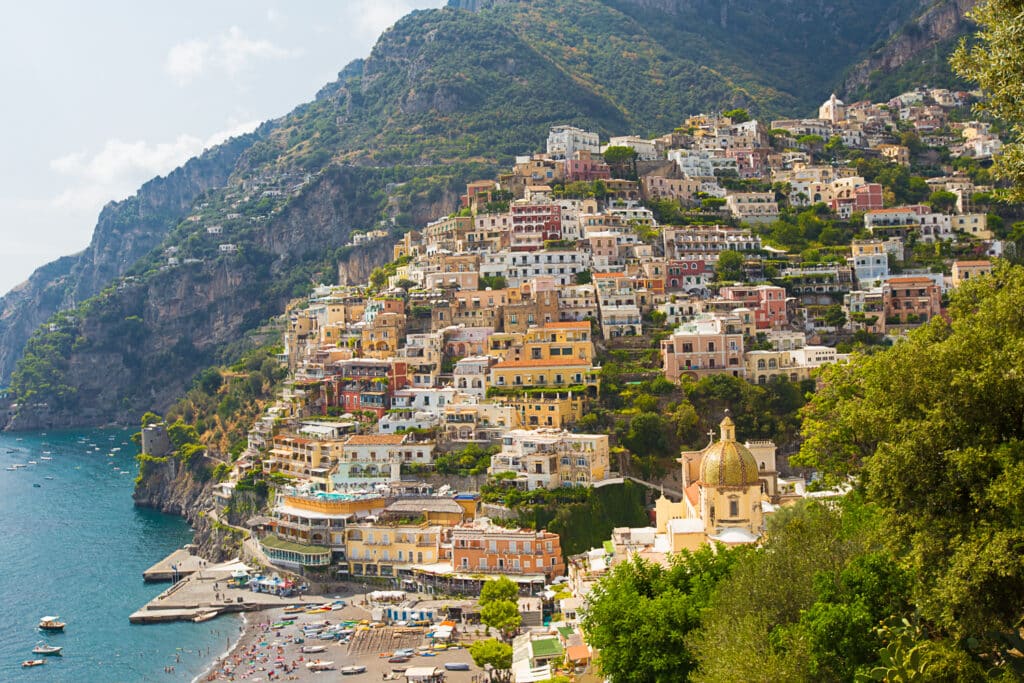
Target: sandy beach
{"points": [[265, 653]]}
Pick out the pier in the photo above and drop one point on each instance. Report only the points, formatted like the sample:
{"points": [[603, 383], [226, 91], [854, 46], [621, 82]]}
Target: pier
{"points": [[179, 564], [204, 590]]}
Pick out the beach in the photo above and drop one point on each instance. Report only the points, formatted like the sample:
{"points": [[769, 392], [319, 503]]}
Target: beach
{"points": [[266, 653]]}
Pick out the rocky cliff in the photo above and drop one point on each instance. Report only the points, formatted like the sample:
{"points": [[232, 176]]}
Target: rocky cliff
{"points": [[187, 490], [921, 46], [125, 231]]}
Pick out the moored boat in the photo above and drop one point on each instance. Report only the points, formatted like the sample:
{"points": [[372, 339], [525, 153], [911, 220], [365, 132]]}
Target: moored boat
{"points": [[51, 624], [352, 669], [33, 662], [320, 665], [205, 616], [42, 648], [312, 649]]}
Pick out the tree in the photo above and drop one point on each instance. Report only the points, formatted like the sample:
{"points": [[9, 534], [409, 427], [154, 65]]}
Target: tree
{"points": [[495, 654], [933, 427], [584, 277], [737, 115], [729, 266], [994, 60], [639, 614], [622, 161], [502, 588], [502, 615], [942, 201], [646, 435], [835, 316], [492, 281]]}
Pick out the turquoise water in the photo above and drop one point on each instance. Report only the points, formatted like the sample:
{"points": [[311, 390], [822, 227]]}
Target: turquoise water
{"points": [[75, 546]]}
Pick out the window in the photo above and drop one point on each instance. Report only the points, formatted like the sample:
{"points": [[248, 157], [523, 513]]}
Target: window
{"points": [[734, 508]]}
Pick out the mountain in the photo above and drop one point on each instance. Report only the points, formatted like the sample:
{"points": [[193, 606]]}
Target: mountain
{"points": [[179, 271]]}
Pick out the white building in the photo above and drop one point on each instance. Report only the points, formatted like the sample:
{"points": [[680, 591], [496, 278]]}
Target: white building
{"points": [[564, 141], [551, 458]]}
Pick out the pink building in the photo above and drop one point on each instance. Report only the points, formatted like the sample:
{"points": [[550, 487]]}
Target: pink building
{"points": [[768, 303]]}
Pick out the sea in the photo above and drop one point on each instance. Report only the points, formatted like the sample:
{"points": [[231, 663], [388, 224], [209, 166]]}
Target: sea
{"points": [[72, 544]]}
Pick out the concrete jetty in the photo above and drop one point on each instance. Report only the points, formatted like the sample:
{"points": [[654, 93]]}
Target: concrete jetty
{"points": [[179, 564], [204, 590]]}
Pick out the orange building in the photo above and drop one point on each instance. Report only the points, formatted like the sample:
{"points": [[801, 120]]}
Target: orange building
{"points": [[492, 549]]}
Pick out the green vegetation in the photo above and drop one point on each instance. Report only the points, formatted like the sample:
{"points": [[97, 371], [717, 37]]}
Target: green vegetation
{"points": [[497, 655], [639, 615], [991, 62], [499, 607]]}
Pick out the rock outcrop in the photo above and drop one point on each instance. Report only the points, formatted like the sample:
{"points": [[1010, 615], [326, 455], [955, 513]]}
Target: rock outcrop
{"points": [[187, 490], [125, 231]]}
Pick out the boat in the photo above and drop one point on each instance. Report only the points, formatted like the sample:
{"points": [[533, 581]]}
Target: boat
{"points": [[352, 669], [295, 609], [38, 486], [45, 457], [51, 624], [312, 649], [42, 648], [319, 665], [33, 662], [12, 468], [205, 616], [456, 666], [49, 477]]}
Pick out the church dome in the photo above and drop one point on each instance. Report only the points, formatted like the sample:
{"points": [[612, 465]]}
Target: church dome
{"points": [[728, 462]]}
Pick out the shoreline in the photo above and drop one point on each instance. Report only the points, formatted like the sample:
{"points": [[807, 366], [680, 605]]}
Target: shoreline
{"points": [[211, 667]]}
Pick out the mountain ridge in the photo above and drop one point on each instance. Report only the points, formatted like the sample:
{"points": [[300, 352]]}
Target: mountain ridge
{"points": [[445, 96]]}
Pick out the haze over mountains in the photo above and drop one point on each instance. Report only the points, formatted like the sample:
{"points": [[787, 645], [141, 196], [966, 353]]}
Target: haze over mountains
{"points": [[445, 96]]}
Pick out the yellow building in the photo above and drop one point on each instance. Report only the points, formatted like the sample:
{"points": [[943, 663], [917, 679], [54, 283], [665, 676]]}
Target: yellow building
{"points": [[376, 549], [553, 373], [968, 270], [723, 485], [310, 459], [558, 409]]}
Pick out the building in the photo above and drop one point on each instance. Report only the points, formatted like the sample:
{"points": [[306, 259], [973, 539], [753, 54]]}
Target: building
{"points": [[368, 459], [911, 300], [707, 345], [724, 485], [870, 261], [967, 270], [549, 458], [390, 550], [753, 207], [766, 301], [482, 547], [565, 141]]}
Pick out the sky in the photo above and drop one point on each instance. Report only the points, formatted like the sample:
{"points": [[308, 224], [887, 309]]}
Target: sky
{"points": [[99, 97]]}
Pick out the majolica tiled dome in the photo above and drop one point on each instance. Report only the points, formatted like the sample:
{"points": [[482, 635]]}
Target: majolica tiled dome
{"points": [[728, 462]]}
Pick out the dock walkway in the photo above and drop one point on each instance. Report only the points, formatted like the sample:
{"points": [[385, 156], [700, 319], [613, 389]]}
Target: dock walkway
{"points": [[179, 564], [203, 590]]}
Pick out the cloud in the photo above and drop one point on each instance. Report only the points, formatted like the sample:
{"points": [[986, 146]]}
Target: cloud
{"points": [[228, 54], [186, 61], [119, 167]]}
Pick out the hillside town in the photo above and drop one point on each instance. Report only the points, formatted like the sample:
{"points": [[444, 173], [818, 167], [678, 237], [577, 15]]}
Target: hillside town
{"points": [[488, 333]]}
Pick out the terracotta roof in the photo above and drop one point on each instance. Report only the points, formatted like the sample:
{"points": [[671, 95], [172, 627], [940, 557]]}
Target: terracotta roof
{"points": [[542, 363], [910, 280], [375, 440], [893, 210], [568, 324], [601, 275], [972, 264], [578, 653], [693, 494]]}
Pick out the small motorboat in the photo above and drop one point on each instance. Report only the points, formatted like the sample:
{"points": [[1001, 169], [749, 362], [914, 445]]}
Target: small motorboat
{"points": [[352, 669], [42, 648], [33, 662], [312, 649], [205, 616], [456, 666], [38, 486], [294, 609], [319, 665], [51, 624]]}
